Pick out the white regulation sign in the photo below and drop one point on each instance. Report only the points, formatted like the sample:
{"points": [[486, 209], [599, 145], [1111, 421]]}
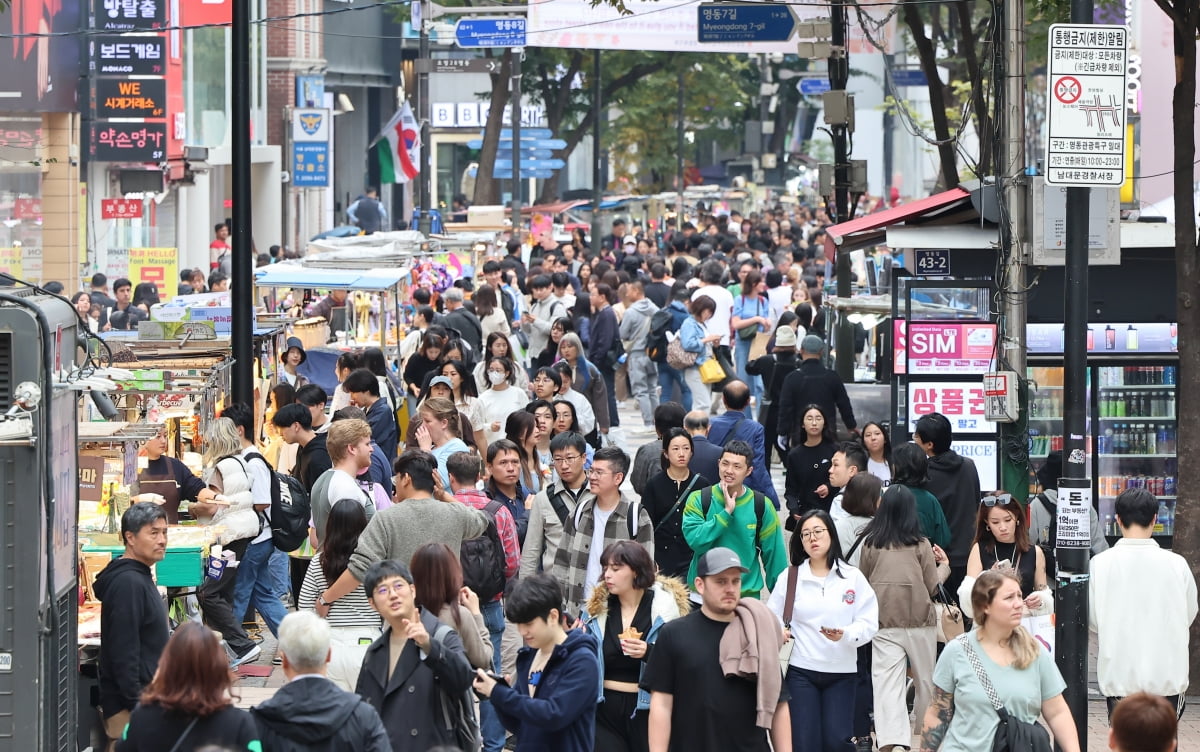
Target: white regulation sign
{"points": [[1085, 146]]}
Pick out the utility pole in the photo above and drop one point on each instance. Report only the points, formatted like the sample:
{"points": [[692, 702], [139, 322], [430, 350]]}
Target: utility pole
{"points": [[1015, 232], [425, 112], [242, 284], [1071, 591], [839, 77], [597, 154], [515, 98], [679, 152]]}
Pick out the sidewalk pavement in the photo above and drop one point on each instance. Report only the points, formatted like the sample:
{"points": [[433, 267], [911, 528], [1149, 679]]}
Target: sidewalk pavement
{"points": [[254, 689]]}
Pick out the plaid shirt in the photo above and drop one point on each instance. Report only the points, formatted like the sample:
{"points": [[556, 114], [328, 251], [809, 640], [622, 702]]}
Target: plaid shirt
{"points": [[571, 560], [505, 526]]}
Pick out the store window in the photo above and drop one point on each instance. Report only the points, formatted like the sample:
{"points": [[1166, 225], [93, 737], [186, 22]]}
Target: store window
{"points": [[21, 196], [208, 83]]}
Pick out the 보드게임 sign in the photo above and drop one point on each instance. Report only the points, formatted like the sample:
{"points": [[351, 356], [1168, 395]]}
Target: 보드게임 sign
{"points": [[943, 347]]}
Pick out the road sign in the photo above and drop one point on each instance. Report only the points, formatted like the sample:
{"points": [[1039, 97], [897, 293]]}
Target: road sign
{"points": [[458, 65], [525, 174], [813, 86], [526, 143], [530, 164], [909, 77], [503, 153], [490, 32], [526, 133], [745, 22], [1085, 112]]}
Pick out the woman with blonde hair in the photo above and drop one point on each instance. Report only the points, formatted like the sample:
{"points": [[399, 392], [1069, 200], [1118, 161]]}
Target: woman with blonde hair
{"points": [[231, 515], [997, 658], [440, 432]]}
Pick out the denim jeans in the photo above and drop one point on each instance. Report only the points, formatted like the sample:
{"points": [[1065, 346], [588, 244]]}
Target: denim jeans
{"points": [[610, 383], [822, 710], [489, 723], [256, 581], [668, 378], [280, 572], [741, 356]]}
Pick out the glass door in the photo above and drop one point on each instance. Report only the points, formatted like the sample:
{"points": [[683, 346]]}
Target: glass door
{"points": [[1136, 439], [1046, 412]]}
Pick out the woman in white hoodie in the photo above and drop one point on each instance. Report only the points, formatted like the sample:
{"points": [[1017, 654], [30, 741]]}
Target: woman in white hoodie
{"points": [[231, 515], [832, 613]]}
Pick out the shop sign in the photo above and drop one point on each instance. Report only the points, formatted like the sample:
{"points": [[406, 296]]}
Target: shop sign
{"points": [[91, 477], [129, 142], [985, 455], [27, 208], [116, 263], [120, 208], [943, 348], [10, 261], [310, 165], [130, 15], [157, 265], [19, 140], [131, 98], [962, 402], [116, 54], [310, 91]]}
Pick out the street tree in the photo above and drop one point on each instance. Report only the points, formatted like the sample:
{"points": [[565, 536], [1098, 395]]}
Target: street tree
{"points": [[1185, 18]]}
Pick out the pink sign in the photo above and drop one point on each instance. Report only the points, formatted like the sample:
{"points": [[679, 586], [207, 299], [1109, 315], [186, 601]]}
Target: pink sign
{"points": [[943, 347]]}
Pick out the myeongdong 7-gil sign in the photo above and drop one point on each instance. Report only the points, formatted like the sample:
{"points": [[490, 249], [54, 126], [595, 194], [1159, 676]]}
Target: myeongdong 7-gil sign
{"points": [[1085, 146]]}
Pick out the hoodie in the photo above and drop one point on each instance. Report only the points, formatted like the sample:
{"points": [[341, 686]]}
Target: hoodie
{"points": [[953, 479], [561, 715], [635, 326], [312, 713], [133, 620]]}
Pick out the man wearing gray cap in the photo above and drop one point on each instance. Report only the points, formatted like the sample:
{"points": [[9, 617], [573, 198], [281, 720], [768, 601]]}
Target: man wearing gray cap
{"points": [[810, 384], [684, 675]]}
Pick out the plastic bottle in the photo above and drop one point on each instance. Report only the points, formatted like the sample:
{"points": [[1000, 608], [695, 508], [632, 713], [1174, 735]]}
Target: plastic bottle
{"points": [[1151, 440]]}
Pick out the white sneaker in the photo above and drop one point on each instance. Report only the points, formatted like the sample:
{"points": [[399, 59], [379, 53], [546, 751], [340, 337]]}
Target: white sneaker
{"points": [[246, 657]]}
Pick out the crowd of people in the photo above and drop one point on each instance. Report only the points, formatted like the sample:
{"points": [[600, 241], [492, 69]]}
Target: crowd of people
{"points": [[506, 574]]}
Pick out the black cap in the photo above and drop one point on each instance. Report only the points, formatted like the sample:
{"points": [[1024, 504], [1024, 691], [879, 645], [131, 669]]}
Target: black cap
{"points": [[296, 343]]}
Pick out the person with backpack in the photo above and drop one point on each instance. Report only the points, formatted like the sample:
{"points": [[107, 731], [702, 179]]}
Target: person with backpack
{"points": [[416, 675], [635, 330], [489, 563], [554, 503], [664, 327], [731, 515], [577, 561], [1043, 516], [438, 580]]}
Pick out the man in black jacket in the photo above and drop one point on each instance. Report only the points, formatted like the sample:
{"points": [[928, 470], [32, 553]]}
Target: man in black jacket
{"points": [[132, 616], [954, 480], [310, 712], [463, 321], [811, 384]]}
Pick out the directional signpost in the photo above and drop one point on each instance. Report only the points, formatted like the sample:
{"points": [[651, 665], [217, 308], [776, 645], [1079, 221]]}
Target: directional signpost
{"points": [[813, 86], [745, 22], [537, 153], [458, 65], [1085, 111], [490, 32], [909, 77]]}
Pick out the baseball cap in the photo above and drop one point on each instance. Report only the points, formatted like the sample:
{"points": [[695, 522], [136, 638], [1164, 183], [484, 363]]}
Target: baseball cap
{"points": [[785, 336], [812, 344], [630, 240], [441, 380], [718, 560]]}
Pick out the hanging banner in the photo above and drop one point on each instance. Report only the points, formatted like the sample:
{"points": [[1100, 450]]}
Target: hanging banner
{"points": [[157, 265]]}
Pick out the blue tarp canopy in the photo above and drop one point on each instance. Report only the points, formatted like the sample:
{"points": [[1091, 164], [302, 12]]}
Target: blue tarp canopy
{"points": [[290, 275]]}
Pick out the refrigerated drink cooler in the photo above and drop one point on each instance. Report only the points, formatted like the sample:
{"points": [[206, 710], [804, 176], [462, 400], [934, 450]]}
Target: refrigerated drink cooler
{"points": [[1131, 429]]}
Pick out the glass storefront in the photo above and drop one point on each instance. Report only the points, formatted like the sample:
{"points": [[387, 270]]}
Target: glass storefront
{"points": [[21, 196]]}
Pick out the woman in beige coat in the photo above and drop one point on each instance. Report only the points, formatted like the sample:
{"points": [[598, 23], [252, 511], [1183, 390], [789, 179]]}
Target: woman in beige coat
{"points": [[438, 580]]}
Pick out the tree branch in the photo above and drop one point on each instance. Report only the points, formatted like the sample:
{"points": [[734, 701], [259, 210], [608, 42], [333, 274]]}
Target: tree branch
{"points": [[937, 94]]}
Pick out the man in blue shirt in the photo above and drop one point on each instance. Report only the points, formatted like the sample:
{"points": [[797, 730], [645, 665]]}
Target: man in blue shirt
{"points": [[733, 424]]}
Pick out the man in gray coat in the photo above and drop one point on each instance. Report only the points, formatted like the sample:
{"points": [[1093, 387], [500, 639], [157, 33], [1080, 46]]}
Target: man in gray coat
{"points": [[397, 532], [635, 330]]}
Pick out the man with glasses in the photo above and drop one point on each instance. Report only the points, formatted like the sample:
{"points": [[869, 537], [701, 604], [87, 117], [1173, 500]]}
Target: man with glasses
{"points": [[416, 669], [545, 384], [606, 518], [733, 516], [555, 503]]}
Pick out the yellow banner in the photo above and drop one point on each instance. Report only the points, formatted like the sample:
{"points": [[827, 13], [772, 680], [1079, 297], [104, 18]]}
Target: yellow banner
{"points": [[10, 261], [1127, 193], [157, 265]]}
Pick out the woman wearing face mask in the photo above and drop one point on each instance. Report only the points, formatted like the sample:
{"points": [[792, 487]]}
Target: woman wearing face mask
{"points": [[498, 346], [664, 497], [501, 398], [1002, 540]]}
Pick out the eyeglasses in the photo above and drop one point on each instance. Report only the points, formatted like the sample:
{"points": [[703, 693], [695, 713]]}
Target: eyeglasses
{"points": [[813, 533], [566, 460], [1001, 500], [594, 473], [398, 587]]}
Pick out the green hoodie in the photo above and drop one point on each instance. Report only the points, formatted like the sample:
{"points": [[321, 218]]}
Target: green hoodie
{"points": [[736, 532]]}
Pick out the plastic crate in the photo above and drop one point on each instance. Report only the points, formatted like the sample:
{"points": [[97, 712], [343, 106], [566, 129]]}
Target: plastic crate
{"points": [[181, 567]]}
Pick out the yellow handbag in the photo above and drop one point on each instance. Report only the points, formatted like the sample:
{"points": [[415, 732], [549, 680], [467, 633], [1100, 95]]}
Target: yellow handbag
{"points": [[711, 371]]}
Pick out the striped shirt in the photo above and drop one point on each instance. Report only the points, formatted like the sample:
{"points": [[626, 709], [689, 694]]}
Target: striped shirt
{"points": [[351, 610]]}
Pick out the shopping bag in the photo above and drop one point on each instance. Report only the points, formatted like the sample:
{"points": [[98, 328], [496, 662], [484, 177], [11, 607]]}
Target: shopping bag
{"points": [[1042, 629], [711, 371], [759, 347]]}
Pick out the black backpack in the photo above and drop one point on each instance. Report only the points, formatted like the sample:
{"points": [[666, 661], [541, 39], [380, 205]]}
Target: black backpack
{"points": [[656, 341], [290, 508], [483, 559]]}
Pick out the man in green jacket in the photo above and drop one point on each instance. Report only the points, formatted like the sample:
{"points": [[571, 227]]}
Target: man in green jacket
{"points": [[732, 516]]}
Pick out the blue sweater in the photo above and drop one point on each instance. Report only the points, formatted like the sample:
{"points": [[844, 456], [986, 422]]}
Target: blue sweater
{"points": [[561, 716]]}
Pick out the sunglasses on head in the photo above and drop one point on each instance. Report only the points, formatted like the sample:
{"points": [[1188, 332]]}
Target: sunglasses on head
{"points": [[999, 499]]}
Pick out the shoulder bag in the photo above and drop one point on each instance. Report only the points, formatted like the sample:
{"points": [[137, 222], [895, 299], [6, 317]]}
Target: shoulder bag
{"points": [[712, 372], [1012, 735], [677, 357], [949, 616]]}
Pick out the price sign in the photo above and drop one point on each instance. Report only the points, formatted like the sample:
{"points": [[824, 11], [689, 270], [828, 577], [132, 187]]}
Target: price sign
{"points": [[933, 262]]}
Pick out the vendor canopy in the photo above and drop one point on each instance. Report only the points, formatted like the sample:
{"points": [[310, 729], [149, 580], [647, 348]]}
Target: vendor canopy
{"points": [[295, 275]]}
